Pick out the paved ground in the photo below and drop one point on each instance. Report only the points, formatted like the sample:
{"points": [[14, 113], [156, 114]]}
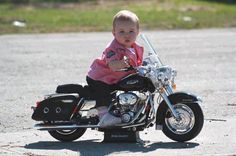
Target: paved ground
{"points": [[33, 65]]}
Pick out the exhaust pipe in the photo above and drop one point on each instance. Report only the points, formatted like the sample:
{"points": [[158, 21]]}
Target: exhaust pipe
{"points": [[62, 127], [67, 126]]}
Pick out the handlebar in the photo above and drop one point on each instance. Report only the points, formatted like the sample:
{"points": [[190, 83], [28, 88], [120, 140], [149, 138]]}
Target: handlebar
{"points": [[141, 70], [126, 69]]}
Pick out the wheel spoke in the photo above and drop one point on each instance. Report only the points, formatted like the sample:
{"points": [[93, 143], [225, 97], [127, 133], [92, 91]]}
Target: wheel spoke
{"points": [[186, 121]]}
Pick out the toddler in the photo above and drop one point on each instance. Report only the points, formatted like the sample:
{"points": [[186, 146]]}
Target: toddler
{"points": [[105, 72]]}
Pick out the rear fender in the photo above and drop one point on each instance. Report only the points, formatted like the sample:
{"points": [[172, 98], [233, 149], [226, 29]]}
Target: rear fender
{"points": [[177, 97]]}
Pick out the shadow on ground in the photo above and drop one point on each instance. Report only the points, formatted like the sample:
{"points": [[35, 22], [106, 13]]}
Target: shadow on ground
{"points": [[93, 147]]}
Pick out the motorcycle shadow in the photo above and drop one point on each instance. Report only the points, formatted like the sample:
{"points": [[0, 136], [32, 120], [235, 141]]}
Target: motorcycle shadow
{"points": [[91, 147]]}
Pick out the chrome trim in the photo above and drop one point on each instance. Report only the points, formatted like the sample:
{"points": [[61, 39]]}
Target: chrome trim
{"points": [[58, 110], [142, 119], [137, 114], [79, 103], [169, 89], [199, 99], [60, 94], [152, 110], [67, 101], [60, 127], [169, 104], [74, 126], [45, 110], [186, 122], [135, 125]]}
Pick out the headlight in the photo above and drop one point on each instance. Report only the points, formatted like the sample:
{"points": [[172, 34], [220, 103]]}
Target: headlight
{"points": [[161, 76], [174, 73]]}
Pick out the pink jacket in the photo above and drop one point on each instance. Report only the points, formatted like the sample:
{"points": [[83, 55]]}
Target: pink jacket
{"points": [[99, 69]]}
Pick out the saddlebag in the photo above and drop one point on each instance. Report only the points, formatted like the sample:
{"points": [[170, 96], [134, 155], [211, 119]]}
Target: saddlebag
{"points": [[57, 107]]}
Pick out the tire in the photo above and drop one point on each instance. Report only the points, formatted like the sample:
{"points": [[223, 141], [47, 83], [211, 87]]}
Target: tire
{"points": [[188, 127], [67, 135]]}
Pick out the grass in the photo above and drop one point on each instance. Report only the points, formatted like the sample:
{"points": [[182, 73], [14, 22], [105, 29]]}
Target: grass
{"points": [[97, 16]]}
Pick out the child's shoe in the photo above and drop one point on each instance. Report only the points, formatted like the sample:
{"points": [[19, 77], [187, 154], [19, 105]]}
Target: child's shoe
{"points": [[108, 120], [93, 112], [105, 118], [99, 111]]}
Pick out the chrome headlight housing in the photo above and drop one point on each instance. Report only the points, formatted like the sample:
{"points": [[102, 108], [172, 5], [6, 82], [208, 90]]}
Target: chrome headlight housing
{"points": [[163, 73], [160, 76], [163, 76]]}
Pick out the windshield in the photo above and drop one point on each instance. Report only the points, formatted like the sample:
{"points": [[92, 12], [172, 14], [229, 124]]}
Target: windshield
{"points": [[150, 54]]}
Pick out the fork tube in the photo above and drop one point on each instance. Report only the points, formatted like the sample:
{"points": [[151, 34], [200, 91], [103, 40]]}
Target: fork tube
{"points": [[169, 89], [175, 114]]}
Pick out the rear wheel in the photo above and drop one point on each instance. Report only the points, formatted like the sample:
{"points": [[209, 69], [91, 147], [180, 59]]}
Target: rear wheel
{"points": [[67, 135], [188, 126]]}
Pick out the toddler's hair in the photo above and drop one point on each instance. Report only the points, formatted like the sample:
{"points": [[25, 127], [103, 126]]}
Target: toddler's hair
{"points": [[126, 15]]}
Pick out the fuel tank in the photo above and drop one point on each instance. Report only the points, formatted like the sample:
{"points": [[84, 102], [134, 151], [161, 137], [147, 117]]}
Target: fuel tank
{"points": [[135, 82]]}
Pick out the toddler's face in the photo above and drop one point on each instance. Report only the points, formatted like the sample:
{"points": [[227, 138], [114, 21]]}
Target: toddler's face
{"points": [[125, 32]]}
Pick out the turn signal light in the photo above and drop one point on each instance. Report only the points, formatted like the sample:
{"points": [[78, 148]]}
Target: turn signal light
{"points": [[162, 90], [174, 86], [37, 103]]}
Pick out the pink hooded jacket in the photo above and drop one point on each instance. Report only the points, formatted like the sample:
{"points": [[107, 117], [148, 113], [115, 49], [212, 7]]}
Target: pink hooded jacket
{"points": [[99, 69]]}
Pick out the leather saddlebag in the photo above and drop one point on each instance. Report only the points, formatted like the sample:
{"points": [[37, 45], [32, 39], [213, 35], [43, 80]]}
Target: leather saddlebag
{"points": [[58, 107]]}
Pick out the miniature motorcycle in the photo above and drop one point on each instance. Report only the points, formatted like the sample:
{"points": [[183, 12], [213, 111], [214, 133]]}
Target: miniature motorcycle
{"points": [[141, 100]]}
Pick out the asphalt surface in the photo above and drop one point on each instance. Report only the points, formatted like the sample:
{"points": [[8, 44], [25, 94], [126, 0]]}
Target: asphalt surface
{"points": [[33, 65]]}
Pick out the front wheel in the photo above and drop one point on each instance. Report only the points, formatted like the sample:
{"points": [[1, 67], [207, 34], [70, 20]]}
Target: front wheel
{"points": [[67, 135], [188, 126]]}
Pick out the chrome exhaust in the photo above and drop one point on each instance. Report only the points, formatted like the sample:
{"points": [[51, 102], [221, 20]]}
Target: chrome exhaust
{"points": [[62, 127], [51, 127]]}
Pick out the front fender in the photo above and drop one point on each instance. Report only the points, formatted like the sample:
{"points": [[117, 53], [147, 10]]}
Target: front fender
{"points": [[177, 97], [183, 97]]}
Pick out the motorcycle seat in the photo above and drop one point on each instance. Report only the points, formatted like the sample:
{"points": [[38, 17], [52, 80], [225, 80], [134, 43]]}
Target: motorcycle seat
{"points": [[83, 91]]}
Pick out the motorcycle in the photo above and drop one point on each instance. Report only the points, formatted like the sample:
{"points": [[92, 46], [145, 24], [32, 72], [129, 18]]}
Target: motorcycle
{"points": [[142, 100]]}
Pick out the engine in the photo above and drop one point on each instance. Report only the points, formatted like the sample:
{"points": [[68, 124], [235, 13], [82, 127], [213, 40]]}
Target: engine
{"points": [[128, 105]]}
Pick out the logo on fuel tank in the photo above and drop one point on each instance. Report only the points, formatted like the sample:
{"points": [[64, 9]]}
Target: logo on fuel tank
{"points": [[131, 82]]}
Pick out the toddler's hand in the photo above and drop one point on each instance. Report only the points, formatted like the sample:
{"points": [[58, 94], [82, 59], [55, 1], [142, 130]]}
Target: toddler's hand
{"points": [[126, 61], [118, 64]]}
